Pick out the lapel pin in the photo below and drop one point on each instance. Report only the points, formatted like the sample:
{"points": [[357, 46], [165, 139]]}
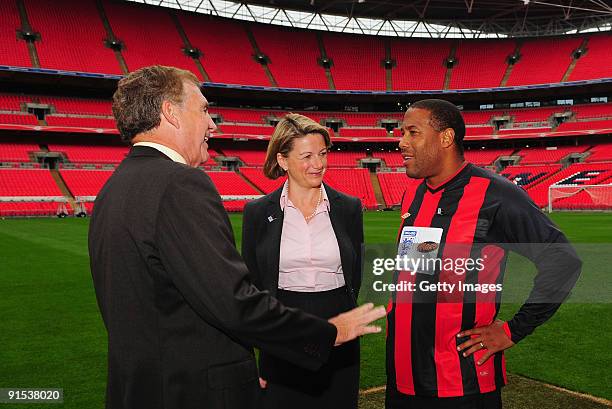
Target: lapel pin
{"points": [[271, 219], [406, 215]]}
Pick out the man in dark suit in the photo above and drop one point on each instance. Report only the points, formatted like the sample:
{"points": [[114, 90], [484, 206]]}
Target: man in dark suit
{"points": [[174, 294]]}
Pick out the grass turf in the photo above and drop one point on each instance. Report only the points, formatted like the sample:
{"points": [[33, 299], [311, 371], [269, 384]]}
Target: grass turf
{"points": [[51, 334]]}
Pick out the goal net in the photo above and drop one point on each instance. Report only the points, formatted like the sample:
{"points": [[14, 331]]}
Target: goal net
{"points": [[579, 197]]}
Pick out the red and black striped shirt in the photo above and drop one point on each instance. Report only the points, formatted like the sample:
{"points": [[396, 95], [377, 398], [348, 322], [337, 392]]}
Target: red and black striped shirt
{"points": [[484, 216]]}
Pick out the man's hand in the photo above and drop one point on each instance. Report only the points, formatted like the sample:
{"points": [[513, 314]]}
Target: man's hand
{"points": [[263, 384], [493, 338], [356, 322]]}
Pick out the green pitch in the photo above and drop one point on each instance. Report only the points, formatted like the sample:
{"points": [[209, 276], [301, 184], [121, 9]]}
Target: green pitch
{"points": [[51, 334]]}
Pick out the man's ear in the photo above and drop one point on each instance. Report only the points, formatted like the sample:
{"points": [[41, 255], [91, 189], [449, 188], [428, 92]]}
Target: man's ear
{"points": [[168, 111], [447, 137]]}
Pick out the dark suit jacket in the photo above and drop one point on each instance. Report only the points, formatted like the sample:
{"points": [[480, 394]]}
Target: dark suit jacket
{"points": [[262, 226], [176, 298]]}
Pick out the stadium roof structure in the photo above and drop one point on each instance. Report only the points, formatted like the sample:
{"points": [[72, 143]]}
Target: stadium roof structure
{"points": [[416, 18]]}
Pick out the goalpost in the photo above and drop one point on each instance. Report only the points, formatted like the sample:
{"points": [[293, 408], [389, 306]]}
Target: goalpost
{"points": [[579, 197]]}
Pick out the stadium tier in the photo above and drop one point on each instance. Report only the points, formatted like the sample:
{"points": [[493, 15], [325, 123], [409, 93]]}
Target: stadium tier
{"points": [[393, 186], [479, 132], [592, 111], [17, 152], [65, 105], [247, 129], [363, 132], [547, 155], [248, 157], [71, 36], [256, 177], [419, 64], [357, 61], [85, 182], [488, 58], [28, 182], [21, 209], [231, 184], [529, 176], [576, 174], [227, 54], [483, 157], [80, 122], [291, 66], [91, 153], [18, 119], [11, 102], [392, 159], [355, 182], [534, 114], [584, 126], [543, 61], [596, 62], [144, 45], [600, 153], [13, 52]]}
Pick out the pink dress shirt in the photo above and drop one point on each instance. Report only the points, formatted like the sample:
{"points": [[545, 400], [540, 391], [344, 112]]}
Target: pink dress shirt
{"points": [[309, 254]]}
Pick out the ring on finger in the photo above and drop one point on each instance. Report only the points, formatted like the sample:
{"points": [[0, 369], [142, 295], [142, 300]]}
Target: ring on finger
{"points": [[482, 346]]}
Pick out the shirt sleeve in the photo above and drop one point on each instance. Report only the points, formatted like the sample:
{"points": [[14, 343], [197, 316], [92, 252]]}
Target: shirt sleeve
{"points": [[525, 229]]}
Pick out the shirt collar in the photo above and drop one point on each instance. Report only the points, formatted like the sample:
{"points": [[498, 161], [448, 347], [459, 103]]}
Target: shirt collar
{"points": [[171, 153], [284, 199]]}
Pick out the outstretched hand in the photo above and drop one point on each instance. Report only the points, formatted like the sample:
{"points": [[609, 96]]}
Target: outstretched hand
{"points": [[356, 322], [492, 338]]}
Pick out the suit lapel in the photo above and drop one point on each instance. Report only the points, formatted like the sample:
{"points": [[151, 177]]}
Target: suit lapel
{"points": [[274, 228]]}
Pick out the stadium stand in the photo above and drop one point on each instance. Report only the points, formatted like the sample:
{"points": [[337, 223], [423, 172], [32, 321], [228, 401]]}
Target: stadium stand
{"points": [[80, 106], [600, 153], [547, 155], [256, 177], [238, 115], [393, 186], [18, 119], [543, 61], [22, 209], [222, 38], [479, 117], [91, 153], [11, 102], [72, 36], [83, 182], [80, 122], [151, 38], [17, 152], [529, 176], [533, 114], [246, 129], [344, 158], [392, 159], [484, 157], [357, 61], [584, 126], [597, 62], [355, 182], [248, 157], [363, 132], [291, 66], [593, 111], [509, 133], [27, 182], [576, 174], [479, 131], [230, 183], [419, 64], [487, 58], [13, 51]]}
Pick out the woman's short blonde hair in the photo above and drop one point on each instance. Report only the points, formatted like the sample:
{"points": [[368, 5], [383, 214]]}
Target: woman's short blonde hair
{"points": [[289, 128]]}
